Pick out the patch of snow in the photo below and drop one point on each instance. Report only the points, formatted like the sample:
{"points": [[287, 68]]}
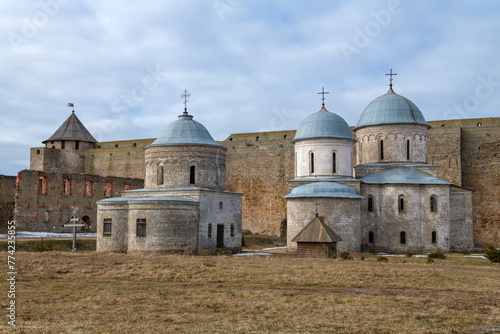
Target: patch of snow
{"points": [[252, 254], [273, 248], [477, 256], [26, 234]]}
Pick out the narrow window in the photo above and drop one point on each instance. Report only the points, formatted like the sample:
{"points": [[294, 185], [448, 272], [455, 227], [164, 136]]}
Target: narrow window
{"points": [[407, 150], [67, 187], [334, 164], [135, 145], [232, 230], [370, 237], [381, 150], [370, 203], [126, 187], [434, 237], [312, 162], [192, 175], [37, 151], [63, 144], [221, 205], [257, 138], [77, 145], [116, 145], [106, 228], [42, 185], [141, 227], [402, 237], [401, 203], [88, 188], [433, 204], [160, 175], [109, 189], [210, 230]]}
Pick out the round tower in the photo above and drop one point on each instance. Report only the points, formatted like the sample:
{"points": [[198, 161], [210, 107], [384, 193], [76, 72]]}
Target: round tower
{"points": [[323, 146], [185, 155], [391, 130]]}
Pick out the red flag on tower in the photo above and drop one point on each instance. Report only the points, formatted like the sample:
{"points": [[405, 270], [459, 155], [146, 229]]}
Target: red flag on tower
{"points": [[71, 105]]}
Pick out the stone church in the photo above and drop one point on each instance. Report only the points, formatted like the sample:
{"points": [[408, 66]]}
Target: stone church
{"points": [[183, 205], [392, 200]]}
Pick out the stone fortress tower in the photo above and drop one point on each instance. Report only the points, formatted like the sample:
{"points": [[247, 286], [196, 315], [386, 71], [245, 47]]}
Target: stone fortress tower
{"points": [[183, 206], [395, 202]]}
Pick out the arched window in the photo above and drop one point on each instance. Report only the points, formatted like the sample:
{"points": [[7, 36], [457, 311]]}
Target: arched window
{"points": [[334, 163], [434, 237], [221, 205], [433, 204], [311, 162], [402, 237], [370, 237], [370, 203], [408, 150], [381, 150], [160, 175], [192, 178], [401, 203]]}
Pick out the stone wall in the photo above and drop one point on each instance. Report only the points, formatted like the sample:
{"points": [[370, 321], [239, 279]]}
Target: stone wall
{"points": [[118, 159], [7, 192], [259, 165], [45, 201]]}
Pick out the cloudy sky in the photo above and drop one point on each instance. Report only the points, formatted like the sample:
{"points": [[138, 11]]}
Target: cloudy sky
{"points": [[249, 65]]}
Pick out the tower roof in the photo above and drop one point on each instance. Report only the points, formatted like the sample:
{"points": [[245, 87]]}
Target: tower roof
{"points": [[391, 108], [323, 124], [185, 131], [72, 129]]}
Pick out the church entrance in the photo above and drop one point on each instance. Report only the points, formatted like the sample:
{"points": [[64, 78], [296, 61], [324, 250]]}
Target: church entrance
{"points": [[220, 236]]}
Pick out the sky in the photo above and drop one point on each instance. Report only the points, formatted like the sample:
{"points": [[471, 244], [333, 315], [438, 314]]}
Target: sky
{"points": [[249, 65]]}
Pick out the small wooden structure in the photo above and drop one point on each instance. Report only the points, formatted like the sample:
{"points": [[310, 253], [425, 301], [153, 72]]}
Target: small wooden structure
{"points": [[317, 240]]}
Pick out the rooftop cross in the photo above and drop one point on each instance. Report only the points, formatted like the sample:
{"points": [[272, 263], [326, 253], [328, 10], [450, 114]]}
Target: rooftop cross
{"points": [[390, 80], [323, 93], [185, 95]]}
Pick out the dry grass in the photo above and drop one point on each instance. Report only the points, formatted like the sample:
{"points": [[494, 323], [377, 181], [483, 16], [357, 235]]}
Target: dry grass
{"points": [[85, 292]]}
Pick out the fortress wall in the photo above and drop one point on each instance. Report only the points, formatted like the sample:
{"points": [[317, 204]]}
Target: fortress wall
{"points": [[443, 149], [47, 212], [117, 158], [481, 172], [259, 165], [7, 192]]}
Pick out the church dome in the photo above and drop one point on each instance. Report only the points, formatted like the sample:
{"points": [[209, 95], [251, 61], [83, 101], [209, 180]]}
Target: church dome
{"points": [[391, 108], [185, 131], [323, 124], [323, 189]]}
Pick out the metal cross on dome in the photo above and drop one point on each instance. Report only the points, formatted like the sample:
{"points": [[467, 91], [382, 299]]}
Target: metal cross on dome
{"points": [[390, 80], [185, 96], [323, 93]]}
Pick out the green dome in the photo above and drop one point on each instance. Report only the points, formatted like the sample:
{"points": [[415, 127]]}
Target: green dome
{"points": [[323, 189], [391, 108], [323, 124], [185, 131]]}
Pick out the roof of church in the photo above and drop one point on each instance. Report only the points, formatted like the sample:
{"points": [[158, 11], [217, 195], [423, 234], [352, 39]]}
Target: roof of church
{"points": [[185, 131], [402, 175], [391, 108], [72, 129], [317, 231], [323, 124], [323, 189], [148, 199]]}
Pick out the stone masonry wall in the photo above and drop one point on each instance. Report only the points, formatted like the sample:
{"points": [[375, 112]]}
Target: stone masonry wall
{"points": [[7, 191], [45, 201]]}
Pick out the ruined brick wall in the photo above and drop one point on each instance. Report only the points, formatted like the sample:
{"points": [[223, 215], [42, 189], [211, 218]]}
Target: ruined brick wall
{"points": [[7, 191], [117, 158], [45, 201], [259, 165]]}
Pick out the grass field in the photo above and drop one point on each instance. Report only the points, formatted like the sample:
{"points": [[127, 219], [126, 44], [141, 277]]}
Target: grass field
{"points": [[85, 292]]}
